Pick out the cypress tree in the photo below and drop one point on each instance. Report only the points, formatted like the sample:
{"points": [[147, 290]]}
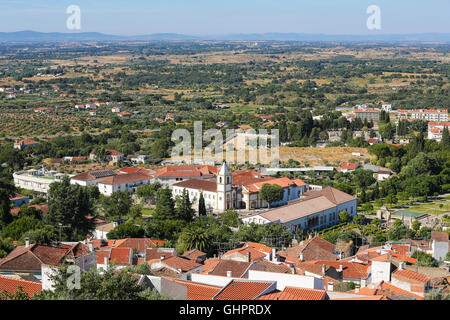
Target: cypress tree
{"points": [[201, 206]]}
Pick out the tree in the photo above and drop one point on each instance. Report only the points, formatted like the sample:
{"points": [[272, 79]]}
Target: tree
{"points": [[45, 235], [167, 229], [6, 191], [16, 229], [135, 212], [271, 193], [147, 192], [344, 216], [363, 178], [445, 137], [193, 237], [112, 285], [69, 205], [126, 230], [6, 246], [183, 208], [367, 207], [201, 205], [30, 212], [230, 218], [358, 219], [423, 259], [165, 207], [118, 204]]}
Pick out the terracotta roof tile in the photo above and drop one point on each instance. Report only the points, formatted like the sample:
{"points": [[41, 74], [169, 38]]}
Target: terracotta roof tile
{"points": [[242, 290], [11, 285], [296, 293], [181, 264], [237, 268], [409, 275], [198, 291]]}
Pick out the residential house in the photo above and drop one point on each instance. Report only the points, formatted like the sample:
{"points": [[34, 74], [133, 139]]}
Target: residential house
{"points": [[22, 144], [180, 268], [10, 285]]}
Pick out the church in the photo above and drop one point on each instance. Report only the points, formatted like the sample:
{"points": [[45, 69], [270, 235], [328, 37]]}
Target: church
{"points": [[239, 190]]}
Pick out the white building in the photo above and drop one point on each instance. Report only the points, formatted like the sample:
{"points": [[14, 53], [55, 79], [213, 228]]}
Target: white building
{"points": [[122, 182], [315, 210], [430, 115], [36, 180]]}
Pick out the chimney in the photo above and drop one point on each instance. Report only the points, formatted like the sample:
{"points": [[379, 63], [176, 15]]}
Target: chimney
{"points": [[229, 274], [340, 268], [27, 242], [301, 256], [249, 257], [105, 260], [323, 269], [401, 266], [273, 255], [161, 258]]}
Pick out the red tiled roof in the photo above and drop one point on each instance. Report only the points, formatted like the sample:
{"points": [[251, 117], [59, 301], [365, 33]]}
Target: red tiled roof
{"points": [[386, 289], [193, 254], [312, 249], [237, 268], [87, 176], [121, 255], [296, 293], [408, 275], [351, 270], [242, 290], [254, 254], [138, 244], [11, 285], [197, 291], [197, 184], [259, 247], [181, 264], [349, 165], [32, 257], [125, 178]]}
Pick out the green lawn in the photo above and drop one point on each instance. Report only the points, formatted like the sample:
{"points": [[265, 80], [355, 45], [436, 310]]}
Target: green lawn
{"points": [[147, 212]]}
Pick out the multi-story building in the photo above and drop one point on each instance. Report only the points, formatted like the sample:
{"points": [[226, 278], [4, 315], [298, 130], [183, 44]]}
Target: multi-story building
{"points": [[369, 114], [36, 180], [313, 211], [430, 115], [436, 130]]}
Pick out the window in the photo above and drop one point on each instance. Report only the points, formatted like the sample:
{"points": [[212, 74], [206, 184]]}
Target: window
{"points": [[220, 180]]}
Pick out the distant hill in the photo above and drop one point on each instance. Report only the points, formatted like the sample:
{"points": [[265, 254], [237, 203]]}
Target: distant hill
{"points": [[33, 36]]}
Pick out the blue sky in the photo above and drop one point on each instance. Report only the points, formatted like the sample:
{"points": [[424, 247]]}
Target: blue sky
{"points": [[196, 17]]}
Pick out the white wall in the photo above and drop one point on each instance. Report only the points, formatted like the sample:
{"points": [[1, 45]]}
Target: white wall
{"points": [[381, 271], [285, 279], [220, 281]]}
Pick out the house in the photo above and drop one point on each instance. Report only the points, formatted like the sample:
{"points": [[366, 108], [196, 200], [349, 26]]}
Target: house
{"points": [[410, 281], [239, 289], [436, 130], [295, 293], [120, 257], [27, 260], [139, 245], [180, 268], [101, 231], [122, 182], [230, 268], [10, 285], [314, 210], [124, 114], [388, 290], [349, 166], [116, 109], [111, 155], [90, 178], [439, 245], [315, 248], [244, 254], [22, 144], [194, 290], [195, 255]]}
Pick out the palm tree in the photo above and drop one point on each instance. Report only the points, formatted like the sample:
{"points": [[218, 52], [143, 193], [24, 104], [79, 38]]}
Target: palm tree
{"points": [[194, 238]]}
